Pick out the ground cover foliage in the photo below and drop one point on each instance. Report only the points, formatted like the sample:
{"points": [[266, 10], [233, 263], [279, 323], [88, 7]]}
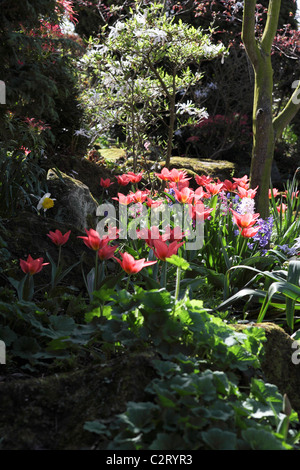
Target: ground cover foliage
{"points": [[134, 285]]}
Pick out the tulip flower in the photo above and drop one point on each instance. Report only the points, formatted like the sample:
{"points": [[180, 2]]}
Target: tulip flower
{"points": [[275, 193], [184, 183], [58, 238], [153, 203], [242, 181], [229, 186], [134, 177], [132, 266], [177, 176], [149, 235], [249, 232], [244, 220], [163, 251], [172, 234], [213, 188], [185, 196], [200, 194], [93, 240], [294, 194], [125, 200], [139, 196], [164, 174], [105, 183], [106, 252], [25, 287], [203, 180], [200, 211], [32, 266], [96, 243], [281, 208], [250, 193], [123, 180]]}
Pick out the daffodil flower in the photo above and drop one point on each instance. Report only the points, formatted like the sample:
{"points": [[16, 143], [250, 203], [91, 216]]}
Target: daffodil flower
{"points": [[46, 202]]}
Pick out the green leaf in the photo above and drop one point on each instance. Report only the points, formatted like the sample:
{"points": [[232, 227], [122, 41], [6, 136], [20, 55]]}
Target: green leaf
{"points": [[97, 428], [178, 262], [218, 439], [259, 439]]}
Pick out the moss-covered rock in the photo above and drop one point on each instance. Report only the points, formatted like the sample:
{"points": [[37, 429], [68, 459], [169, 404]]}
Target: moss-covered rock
{"points": [[49, 413], [215, 168], [277, 365], [75, 205]]}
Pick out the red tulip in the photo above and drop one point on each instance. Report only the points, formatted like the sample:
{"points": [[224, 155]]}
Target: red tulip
{"points": [[139, 196], [134, 177], [229, 186], [180, 184], [153, 203], [213, 188], [242, 181], [186, 195], [200, 211], [132, 266], [105, 183], [125, 200], [202, 180], [106, 252], [281, 208], [244, 220], [149, 235], [58, 238], [32, 266], [162, 250], [177, 175], [247, 192], [173, 234], [93, 240], [123, 180], [164, 174], [275, 193], [249, 232]]}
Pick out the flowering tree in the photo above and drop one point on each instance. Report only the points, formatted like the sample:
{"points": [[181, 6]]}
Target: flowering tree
{"points": [[143, 72], [266, 128]]}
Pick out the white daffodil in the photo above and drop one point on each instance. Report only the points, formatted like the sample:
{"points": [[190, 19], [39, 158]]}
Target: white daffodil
{"points": [[46, 202]]}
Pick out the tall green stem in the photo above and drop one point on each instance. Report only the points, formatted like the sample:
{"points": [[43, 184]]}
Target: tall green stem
{"points": [[177, 288], [163, 278], [96, 272]]}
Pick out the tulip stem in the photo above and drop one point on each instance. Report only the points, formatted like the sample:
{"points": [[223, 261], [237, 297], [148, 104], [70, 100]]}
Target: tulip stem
{"points": [[96, 272], [243, 243], [177, 288], [127, 284], [163, 278], [28, 287]]}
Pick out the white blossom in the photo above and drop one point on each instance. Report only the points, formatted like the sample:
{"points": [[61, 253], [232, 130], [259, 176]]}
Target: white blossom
{"points": [[246, 206]]}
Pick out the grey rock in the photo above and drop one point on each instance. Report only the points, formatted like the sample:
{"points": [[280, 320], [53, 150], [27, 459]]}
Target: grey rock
{"points": [[74, 205]]}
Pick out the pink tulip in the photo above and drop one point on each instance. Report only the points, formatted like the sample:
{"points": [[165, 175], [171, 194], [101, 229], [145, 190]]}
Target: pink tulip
{"points": [[32, 266], [132, 266]]}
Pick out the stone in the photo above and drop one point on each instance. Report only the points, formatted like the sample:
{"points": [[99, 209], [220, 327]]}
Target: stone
{"points": [[277, 363], [74, 205], [49, 413]]}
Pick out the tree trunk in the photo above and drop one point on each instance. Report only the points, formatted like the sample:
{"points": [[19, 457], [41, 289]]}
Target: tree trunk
{"points": [[265, 128], [263, 134]]}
